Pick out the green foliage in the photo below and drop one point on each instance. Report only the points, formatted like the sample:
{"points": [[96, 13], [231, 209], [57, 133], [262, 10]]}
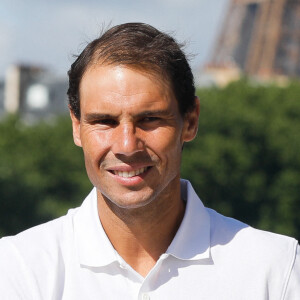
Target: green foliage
{"points": [[245, 162], [41, 173]]}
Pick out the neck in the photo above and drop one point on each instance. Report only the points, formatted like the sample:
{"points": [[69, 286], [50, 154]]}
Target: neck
{"points": [[141, 235]]}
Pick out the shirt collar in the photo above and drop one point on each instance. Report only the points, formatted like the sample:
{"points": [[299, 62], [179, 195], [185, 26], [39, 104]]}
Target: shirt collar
{"points": [[94, 247], [192, 240]]}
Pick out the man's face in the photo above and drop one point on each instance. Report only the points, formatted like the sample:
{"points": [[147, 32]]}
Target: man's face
{"points": [[132, 133]]}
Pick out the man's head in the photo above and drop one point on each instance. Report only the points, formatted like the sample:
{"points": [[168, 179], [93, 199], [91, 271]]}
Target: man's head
{"points": [[129, 120], [141, 47]]}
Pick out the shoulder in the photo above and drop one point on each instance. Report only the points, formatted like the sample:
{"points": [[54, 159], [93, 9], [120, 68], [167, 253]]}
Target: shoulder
{"points": [[40, 238], [228, 231], [33, 257], [251, 253]]}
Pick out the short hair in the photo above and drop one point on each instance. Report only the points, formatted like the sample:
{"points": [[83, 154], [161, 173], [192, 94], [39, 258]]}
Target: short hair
{"points": [[142, 47]]}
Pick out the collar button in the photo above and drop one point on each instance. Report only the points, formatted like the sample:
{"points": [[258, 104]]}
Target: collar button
{"points": [[145, 296]]}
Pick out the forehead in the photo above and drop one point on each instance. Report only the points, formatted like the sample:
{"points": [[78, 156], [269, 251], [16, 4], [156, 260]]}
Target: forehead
{"points": [[155, 74], [119, 83]]}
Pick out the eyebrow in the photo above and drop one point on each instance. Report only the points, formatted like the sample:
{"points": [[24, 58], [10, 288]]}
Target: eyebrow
{"points": [[98, 116], [146, 113]]}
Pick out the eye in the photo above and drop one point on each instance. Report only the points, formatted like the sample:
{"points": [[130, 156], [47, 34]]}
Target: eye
{"points": [[150, 123], [106, 122], [150, 119]]}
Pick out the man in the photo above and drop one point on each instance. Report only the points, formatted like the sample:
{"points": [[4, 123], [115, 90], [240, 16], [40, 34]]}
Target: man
{"points": [[142, 233]]}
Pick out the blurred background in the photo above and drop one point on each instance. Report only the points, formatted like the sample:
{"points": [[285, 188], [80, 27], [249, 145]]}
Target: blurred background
{"points": [[245, 56]]}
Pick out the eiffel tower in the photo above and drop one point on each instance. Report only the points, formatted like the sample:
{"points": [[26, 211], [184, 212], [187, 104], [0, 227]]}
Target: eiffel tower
{"points": [[261, 38]]}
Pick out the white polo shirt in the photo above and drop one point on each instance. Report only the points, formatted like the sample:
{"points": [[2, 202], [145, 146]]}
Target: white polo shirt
{"points": [[211, 257]]}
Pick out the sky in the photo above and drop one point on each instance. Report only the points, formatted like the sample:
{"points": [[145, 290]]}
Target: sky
{"points": [[49, 33]]}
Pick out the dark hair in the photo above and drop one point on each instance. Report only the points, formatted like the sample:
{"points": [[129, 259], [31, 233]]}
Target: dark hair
{"points": [[142, 47]]}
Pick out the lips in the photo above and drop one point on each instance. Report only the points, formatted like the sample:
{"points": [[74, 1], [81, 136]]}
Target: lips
{"points": [[128, 174]]}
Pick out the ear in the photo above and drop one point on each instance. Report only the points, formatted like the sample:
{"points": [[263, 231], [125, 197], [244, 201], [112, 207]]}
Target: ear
{"points": [[190, 127], [76, 129]]}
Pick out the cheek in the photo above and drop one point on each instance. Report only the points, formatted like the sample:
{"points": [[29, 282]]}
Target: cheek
{"points": [[94, 145], [94, 149], [169, 138], [166, 144]]}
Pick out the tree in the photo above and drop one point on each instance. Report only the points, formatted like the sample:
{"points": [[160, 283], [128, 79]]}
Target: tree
{"points": [[41, 173], [245, 162]]}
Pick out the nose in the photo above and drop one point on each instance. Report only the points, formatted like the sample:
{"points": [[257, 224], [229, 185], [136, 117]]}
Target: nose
{"points": [[126, 141]]}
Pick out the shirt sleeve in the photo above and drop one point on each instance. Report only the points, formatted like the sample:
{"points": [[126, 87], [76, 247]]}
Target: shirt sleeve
{"points": [[14, 275], [293, 287]]}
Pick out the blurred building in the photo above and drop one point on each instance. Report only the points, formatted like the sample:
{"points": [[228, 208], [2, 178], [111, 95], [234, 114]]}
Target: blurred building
{"points": [[260, 38], [1, 98], [33, 93]]}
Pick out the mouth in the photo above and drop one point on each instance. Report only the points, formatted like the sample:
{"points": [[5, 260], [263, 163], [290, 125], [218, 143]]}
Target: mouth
{"points": [[129, 174]]}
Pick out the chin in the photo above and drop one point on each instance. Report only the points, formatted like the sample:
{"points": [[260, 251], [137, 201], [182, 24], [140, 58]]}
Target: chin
{"points": [[132, 204], [129, 201]]}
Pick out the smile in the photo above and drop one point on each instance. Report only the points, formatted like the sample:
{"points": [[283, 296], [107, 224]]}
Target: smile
{"points": [[130, 173]]}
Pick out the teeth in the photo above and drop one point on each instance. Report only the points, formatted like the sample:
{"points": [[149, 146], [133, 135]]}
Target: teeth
{"points": [[131, 173]]}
